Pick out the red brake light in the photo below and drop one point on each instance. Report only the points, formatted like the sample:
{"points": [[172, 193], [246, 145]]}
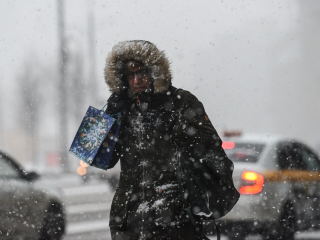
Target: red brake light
{"points": [[228, 145], [253, 183]]}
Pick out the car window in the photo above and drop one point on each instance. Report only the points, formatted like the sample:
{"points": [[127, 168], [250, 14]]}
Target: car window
{"points": [[290, 157], [310, 159], [6, 169], [245, 152]]}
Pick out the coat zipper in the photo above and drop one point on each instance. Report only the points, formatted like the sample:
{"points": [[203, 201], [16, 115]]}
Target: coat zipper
{"points": [[144, 161]]}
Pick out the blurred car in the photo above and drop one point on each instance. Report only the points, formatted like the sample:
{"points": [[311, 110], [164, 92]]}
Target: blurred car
{"points": [[279, 182], [29, 209]]}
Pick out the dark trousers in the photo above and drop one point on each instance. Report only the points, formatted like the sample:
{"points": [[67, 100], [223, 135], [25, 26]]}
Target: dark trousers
{"points": [[184, 231]]}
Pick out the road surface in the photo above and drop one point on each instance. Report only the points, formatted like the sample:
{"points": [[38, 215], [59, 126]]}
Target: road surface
{"points": [[88, 206]]}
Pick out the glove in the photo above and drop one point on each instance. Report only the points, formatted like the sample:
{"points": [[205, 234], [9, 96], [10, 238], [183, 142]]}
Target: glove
{"points": [[117, 102]]}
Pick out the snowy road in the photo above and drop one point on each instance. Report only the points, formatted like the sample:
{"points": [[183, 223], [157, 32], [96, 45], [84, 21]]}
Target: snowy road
{"points": [[88, 206]]}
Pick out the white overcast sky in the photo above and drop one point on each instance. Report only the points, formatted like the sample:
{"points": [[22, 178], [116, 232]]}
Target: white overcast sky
{"points": [[239, 58]]}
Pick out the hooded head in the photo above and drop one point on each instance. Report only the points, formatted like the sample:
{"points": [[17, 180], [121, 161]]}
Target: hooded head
{"points": [[140, 51]]}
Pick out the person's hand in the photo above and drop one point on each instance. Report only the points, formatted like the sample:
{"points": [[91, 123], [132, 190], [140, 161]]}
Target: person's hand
{"points": [[117, 102]]}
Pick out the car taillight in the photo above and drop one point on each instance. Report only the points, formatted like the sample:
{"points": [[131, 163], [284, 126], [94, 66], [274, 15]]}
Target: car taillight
{"points": [[252, 183], [228, 145]]}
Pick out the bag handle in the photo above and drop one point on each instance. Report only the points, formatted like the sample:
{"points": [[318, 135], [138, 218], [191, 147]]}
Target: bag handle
{"points": [[102, 109], [104, 106], [174, 93]]}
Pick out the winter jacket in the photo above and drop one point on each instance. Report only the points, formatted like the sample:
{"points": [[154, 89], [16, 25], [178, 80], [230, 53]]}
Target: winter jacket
{"points": [[148, 192]]}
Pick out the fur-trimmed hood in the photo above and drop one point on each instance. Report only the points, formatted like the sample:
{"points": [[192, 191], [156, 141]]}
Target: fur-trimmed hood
{"points": [[142, 51]]}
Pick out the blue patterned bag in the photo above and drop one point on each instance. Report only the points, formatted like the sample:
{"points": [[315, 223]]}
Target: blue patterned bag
{"points": [[96, 138]]}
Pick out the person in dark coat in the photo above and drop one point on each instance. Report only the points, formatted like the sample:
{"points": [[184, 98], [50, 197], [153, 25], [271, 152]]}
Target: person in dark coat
{"points": [[157, 118]]}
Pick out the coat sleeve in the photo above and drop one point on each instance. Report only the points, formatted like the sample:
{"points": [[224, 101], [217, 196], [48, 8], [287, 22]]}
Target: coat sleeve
{"points": [[116, 152], [116, 103], [193, 130]]}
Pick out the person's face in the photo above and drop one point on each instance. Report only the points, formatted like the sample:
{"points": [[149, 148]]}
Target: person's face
{"points": [[138, 77]]}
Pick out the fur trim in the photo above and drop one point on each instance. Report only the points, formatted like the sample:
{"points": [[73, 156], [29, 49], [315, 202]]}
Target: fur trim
{"points": [[142, 51]]}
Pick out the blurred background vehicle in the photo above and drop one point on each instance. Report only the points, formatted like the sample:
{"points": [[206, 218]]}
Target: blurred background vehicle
{"points": [[29, 207], [279, 182]]}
